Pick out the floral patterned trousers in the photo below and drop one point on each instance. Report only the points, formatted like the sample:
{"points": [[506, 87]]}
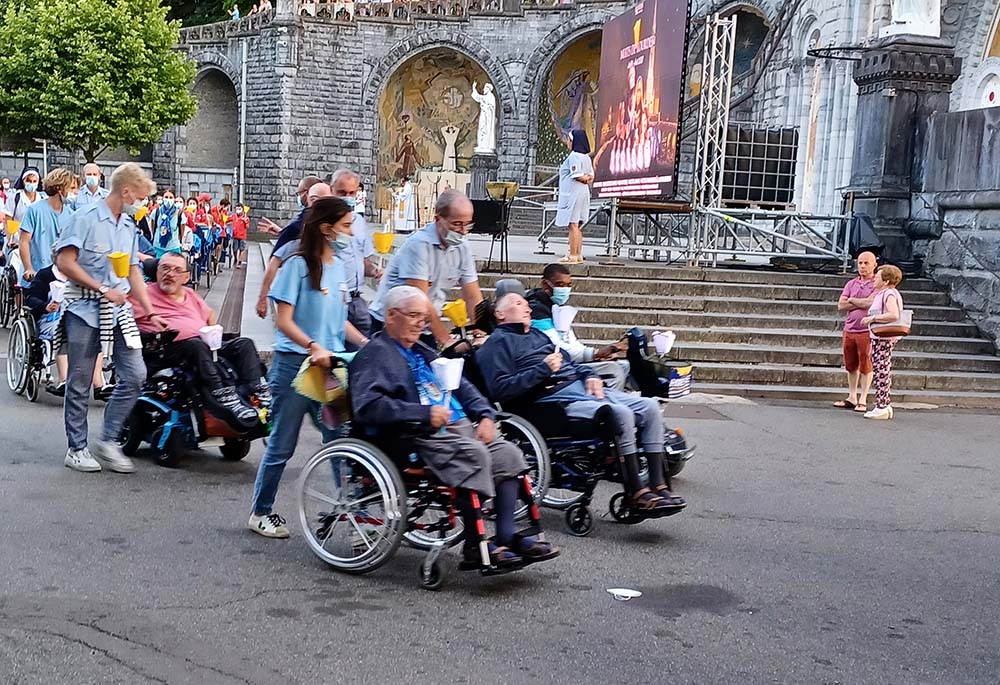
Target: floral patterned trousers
{"points": [[882, 370]]}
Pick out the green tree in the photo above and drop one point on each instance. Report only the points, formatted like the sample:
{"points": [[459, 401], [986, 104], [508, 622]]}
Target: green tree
{"points": [[92, 75], [194, 12]]}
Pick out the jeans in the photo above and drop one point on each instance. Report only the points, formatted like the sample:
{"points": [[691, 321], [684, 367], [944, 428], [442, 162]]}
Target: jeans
{"points": [[288, 409], [196, 355], [83, 344]]}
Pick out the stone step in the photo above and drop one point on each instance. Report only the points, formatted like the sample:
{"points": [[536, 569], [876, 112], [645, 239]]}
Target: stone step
{"points": [[737, 305], [673, 287], [652, 318], [979, 400], [902, 379], [734, 275], [778, 338], [801, 356]]}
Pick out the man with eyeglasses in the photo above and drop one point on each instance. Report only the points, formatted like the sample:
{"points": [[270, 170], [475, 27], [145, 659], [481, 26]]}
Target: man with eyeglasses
{"points": [[186, 312], [435, 259]]}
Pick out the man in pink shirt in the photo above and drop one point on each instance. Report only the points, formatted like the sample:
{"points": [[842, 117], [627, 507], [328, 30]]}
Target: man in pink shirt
{"points": [[855, 300], [186, 312]]}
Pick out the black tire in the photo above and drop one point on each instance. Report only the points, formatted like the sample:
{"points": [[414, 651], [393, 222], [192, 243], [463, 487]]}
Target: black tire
{"points": [[6, 300], [234, 449], [579, 520], [33, 385], [675, 467], [173, 450], [19, 356], [131, 436], [435, 579]]}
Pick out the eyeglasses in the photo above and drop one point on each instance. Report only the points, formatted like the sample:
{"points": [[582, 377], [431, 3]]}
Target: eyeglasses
{"points": [[415, 317], [173, 270]]}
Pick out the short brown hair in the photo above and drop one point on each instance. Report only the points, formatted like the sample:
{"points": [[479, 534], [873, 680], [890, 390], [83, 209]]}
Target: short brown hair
{"points": [[58, 180], [891, 275]]}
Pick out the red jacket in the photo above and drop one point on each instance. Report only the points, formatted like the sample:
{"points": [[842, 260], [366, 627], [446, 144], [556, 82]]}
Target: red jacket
{"points": [[240, 224]]}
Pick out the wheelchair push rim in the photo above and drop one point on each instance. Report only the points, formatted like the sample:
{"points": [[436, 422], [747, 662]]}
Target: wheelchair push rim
{"points": [[19, 356], [352, 506]]}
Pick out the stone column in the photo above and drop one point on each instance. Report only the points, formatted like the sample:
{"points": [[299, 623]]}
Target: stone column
{"points": [[902, 80], [483, 169]]}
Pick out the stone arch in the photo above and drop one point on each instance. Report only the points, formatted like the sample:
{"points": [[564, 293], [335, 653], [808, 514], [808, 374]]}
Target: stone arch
{"points": [[212, 136], [209, 60], [540, 62]]}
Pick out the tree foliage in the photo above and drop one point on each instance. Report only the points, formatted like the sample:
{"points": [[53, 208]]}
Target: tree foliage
{"points": [[195, 12], [92, 75]]}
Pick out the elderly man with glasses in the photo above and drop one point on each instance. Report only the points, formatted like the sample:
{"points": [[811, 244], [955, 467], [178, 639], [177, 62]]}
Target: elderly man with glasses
{"points": [[183, 310], [435, 259]]}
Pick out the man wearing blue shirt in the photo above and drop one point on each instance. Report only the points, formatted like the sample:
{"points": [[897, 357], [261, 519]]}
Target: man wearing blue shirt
{"points": [[44, 222], [98, 315], [435, 259], [357, 256], [92, 192]]}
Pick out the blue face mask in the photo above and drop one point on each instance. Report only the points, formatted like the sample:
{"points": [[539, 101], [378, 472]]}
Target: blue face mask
{"points": [[340, 241], [560, 296], [30, 187], [351, 202], [92, 181], [298, 200]]}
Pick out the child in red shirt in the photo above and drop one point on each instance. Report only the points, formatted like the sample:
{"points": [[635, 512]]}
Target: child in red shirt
{"points": [[240, 223]]}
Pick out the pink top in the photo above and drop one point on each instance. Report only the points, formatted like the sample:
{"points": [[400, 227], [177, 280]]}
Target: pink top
{"points": [[186, 317], [861, 289], [878, 306]]}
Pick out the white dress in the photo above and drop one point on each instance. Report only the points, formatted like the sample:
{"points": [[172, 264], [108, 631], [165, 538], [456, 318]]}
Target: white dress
{"points": [[574, 197]]}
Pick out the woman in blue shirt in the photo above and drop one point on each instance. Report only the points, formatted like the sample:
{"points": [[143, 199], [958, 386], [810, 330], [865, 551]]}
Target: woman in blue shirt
{"points": [[168, 223], [311, 298]]}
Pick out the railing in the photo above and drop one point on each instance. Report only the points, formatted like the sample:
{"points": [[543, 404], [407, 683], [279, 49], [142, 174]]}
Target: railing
{"points": [[221, 31], [400, 10]]}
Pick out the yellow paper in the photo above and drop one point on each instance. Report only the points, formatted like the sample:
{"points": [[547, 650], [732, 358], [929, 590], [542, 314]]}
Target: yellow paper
{"points": [[141, 214], [119, 262], [311, 381], [383, 242], [456, 313], [13, 226]]}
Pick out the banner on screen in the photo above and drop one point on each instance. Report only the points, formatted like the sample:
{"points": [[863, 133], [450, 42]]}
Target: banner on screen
{"points": [[639, 99]]}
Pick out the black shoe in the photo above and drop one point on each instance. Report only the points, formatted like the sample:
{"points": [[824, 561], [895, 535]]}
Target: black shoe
{"points": [[103, 393], [59, 390], [263, 393]]}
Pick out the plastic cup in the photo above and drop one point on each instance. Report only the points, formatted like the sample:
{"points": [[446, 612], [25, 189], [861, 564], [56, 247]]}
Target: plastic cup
{"points": [[13, 226], [383, 242], [119, 262]]}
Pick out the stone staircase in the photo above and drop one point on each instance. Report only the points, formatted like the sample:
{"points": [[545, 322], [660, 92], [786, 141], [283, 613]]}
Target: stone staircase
{"points": [[766, 334]]}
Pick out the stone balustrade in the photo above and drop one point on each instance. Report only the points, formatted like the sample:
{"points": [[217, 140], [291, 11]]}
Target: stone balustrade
{"points": [[221, 31]]}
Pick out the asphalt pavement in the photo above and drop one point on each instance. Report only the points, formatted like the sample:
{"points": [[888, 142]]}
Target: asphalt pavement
{"points": [[817, 548]]}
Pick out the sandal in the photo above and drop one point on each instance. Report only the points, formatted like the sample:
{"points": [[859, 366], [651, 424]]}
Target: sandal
{"points": [[861, 408], [844, 404], [500, 557], [648, 503], [674, 501], [534, 550], [568, 259]]}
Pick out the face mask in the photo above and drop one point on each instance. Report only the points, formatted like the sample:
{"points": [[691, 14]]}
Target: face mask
{"points": [[561, 295], [454, 239], [131, 208], [30, 187], [178, 203], [192, 207], [351, 202], [340, 241], [6, 185], [298, 200], [92, 181], [70, 198]]}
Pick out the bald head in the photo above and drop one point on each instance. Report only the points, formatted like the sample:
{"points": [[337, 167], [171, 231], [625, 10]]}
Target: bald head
{"points": [[866, 264], [317, 191]]}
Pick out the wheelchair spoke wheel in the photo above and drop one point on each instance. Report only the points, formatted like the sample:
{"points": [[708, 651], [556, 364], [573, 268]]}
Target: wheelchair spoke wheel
{"points": [[531, 443], [19, 356], [429, 524], [6, 299], [352, 506]]}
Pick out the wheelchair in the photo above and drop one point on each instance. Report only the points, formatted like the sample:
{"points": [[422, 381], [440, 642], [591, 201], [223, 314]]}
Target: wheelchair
{"points": [[9, 293], [357, 506], [172, 416], [29, 358]]}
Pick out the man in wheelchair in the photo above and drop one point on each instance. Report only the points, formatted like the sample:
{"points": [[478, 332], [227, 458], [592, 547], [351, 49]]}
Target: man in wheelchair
{"points": [[397, 398], [187, 313], [521, 365]]}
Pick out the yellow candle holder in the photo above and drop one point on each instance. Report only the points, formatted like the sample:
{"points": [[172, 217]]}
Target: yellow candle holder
{"points": [[457, 313], [383, 241], [13, 226]]}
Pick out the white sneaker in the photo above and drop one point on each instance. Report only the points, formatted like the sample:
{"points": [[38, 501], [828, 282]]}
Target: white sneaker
{"points": [[268, 525], [883, 414], [110, 456], [80, 460]]}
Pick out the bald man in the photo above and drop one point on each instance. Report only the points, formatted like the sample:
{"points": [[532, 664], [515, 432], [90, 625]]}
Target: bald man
{"points": [[91, 193], [284, 250]]}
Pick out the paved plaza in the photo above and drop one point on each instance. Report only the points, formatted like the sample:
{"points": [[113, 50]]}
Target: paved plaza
{"points": [[817, 548]]}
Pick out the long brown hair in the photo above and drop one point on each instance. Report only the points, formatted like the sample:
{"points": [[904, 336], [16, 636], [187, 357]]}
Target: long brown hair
{"points": [[312, 242]]}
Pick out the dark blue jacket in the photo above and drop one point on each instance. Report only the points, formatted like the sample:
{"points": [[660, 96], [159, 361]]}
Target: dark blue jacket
{"points": [[290, 232], [36, 295], [384, 395], [513, 366]]}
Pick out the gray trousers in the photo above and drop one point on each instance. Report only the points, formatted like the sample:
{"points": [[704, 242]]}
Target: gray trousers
{"points": [[631, 414], [460, 460], [83, 344], [613, 373]]}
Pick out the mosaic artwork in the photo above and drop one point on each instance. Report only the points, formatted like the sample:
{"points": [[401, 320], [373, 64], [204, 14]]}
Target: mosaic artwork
{"points": [[569, 100]]}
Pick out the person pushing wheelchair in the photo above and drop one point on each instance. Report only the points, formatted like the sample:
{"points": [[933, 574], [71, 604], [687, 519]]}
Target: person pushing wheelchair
{"points": [[394, 389], [521, 364]]}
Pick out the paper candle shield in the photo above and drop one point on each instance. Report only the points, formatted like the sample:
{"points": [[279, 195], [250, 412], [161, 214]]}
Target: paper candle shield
{"points": [[56, 290], [456, 313], [120, 264], [211, 336], [383, 242], [562, 317], [13, 226], [664, 342], [448, 372]]}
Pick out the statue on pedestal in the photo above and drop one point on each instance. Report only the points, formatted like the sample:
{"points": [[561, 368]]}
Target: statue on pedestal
{"points": [[486, 136], [914, 17], [450, 135]]}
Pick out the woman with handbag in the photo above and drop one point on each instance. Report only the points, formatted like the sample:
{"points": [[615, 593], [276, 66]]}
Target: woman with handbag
{"points": [[311, 296], [886, 322]]}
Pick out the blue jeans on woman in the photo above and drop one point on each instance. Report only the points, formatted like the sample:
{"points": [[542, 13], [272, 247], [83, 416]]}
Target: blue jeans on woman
{"points": [[288, 408]]}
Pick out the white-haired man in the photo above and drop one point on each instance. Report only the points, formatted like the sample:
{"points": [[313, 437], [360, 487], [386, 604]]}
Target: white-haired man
{"points": [[92, 192], [97, 315]]}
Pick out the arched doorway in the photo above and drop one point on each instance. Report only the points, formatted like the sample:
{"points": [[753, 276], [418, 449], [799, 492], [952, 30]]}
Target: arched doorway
{"points": [[567, 99], [212, 137], [427, 124], [751, 31]]}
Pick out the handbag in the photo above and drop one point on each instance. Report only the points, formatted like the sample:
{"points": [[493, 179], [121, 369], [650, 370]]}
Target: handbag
{"points": [[899, 328]]}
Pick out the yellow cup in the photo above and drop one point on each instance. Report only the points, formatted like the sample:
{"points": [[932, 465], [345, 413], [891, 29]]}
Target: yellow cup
{"points": [[456, 313], [141, 214], [383, 242], [119, 262], [13, 226]]}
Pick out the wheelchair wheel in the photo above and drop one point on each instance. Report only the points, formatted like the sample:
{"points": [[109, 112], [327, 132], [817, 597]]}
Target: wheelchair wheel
{"points": [[619, 511], [234, 449], [19, 356], [560, 498], [536, 453], [131, 435], [417, 534], [352, 506], [579, 520], [33, 385], [434, 578], [172, 452], [7, 298]]}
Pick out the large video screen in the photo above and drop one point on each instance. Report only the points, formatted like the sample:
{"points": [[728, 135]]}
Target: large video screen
{"points": [[639, 99]]}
